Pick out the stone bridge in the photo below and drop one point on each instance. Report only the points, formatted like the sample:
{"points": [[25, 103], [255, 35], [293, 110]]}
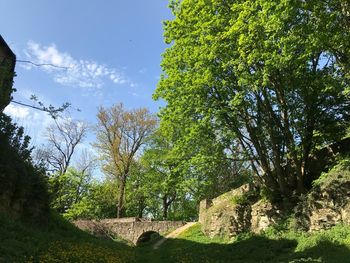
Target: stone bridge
{"points": [[131, 229]]}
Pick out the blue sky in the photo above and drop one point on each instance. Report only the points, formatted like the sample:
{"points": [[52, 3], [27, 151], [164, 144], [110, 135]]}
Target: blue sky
{"points": [[112, 49]]}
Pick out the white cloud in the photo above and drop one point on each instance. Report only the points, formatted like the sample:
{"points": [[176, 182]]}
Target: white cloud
{"points": [[17, 112], [70, 71], [34, 122]]}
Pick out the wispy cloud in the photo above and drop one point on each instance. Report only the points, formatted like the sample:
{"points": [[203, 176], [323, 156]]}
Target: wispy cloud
{"points": [[134, 94], [82, 73]]}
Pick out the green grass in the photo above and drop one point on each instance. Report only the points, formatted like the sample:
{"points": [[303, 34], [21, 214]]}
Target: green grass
{"points": [[276, 245], [61, 242]]}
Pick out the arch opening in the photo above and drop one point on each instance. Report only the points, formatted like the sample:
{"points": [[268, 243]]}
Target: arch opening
{"points": [[148, 236]]}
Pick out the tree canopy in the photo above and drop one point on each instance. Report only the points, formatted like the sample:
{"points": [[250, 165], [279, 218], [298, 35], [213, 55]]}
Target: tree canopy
{"points": [[267, 80], [120, 134]]}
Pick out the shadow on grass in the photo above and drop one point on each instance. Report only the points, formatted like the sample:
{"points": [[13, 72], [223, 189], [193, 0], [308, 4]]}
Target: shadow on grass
{"points": [[58, 241], [253, 249]]}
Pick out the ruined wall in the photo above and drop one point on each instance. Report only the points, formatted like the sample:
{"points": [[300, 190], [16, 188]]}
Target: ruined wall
{"points": [[235, 212], [326, 205], [7, 66]]}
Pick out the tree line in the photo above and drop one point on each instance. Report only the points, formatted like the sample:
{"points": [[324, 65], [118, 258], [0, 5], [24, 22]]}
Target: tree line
{"points": [[141, 176]]}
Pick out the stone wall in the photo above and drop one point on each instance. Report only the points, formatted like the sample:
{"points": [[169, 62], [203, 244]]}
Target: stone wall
{"points": [[327, 204], [263, 215], [226, 220], [235, 212], [325, 207], [127, 228]]}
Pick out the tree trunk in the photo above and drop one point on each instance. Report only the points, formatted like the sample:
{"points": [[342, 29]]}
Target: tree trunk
{"points": [[120, 205], [141, 208], [165, 207]]}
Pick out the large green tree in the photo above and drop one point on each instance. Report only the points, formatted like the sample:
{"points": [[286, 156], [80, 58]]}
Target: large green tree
{"points": [[266, 79]]}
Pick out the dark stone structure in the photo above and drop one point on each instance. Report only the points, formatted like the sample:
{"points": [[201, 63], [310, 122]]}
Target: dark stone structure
{"points": [[7, 67]]}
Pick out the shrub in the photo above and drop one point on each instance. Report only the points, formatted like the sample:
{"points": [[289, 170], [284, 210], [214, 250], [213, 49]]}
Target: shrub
{"points": [[23, 188]]}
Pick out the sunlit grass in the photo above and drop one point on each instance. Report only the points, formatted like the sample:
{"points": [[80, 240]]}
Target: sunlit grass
{"points": [[278, 244]]}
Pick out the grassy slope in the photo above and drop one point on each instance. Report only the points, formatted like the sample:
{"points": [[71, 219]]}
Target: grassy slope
{"points": [[57, 242], [61, 242]]}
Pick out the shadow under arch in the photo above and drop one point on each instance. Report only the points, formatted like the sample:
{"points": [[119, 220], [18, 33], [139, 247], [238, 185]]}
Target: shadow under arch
{"points": [[147, 237]]}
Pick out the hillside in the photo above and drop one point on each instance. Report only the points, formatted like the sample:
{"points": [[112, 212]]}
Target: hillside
{"points": [[61, 242]]}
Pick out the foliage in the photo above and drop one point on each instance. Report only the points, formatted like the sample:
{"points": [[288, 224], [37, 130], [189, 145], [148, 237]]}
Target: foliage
{"points": [[55, 157], [164, 183], [50, 109], [73, 187], [140, 190], [174, 183], [162, 187], [239, 199], [120, 135], [265, 80], [6, 81], [340, 172], [97, 203], [23, 187]]}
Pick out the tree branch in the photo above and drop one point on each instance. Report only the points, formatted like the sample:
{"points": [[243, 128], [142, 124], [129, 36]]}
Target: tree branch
{"points": [[42, 64]]}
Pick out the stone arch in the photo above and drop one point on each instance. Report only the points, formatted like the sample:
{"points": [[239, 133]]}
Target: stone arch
{"points": [[147, 236]]}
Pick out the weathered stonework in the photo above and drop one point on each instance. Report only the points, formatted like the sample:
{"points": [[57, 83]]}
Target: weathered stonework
{"points": [[234, 192], [226, 216], [127, 228], [325, 207], [203, 206], [227, 220], [263, 215]]}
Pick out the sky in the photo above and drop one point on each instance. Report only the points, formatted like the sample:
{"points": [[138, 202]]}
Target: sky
{"points": [[110, 51]]}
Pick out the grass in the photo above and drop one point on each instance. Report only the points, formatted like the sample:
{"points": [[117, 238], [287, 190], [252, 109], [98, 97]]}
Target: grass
{"points": [[61, 242], [57, 242], [276, 245]]}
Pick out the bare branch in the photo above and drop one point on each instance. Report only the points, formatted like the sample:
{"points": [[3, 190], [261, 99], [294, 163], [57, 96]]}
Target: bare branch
{"points": [[42, 64]]}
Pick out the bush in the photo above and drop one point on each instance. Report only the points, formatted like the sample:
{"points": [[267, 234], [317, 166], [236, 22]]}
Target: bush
{"points": [[23, 187], [340, 172]]}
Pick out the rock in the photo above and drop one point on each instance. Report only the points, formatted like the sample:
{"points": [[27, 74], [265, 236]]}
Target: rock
{"points": [[264, 214], [226, 220], [345, 214], [203, 206], [234, 212], [227, 215], [325, 206]]}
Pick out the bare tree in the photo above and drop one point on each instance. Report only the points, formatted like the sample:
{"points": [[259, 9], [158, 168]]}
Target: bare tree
{"points": [[120, 134], [86, 162], [63, 137]]}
